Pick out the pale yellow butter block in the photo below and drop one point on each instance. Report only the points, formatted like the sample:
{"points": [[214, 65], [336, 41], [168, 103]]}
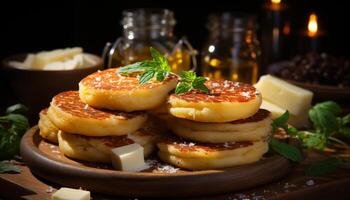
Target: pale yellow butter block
{"points": [[70, 194], [298, 121], [129, 158], [285, 95], [59, 55]]}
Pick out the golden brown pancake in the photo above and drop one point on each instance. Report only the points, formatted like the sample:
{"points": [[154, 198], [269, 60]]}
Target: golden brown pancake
{"points": [[106, 89], [97, 149], [191, 155], [47, 129], [227, 101], [254, 128], [71, 115]]}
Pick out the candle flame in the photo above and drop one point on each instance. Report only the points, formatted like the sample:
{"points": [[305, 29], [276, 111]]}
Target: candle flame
{"points": [[312, 25], [275, 1]]}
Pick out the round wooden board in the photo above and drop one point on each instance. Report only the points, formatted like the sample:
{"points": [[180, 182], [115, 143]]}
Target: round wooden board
{"points": [[45, 160]]}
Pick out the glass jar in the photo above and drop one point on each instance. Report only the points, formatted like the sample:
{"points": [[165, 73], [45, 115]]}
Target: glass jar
{"points": [[232, 51], [144, 28]]}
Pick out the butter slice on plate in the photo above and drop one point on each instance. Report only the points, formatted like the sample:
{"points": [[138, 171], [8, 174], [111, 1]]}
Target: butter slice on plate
{"points": [[285, 95], [70, 194], [129, 158]]}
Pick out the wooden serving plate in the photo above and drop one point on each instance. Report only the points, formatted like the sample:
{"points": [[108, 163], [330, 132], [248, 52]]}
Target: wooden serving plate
{"points": [[45, 160]]}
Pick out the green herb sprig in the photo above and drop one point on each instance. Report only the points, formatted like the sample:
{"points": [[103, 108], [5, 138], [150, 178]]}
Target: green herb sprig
{"points": [[189, 81], [12, 127], [326, 126], [159, 68]]}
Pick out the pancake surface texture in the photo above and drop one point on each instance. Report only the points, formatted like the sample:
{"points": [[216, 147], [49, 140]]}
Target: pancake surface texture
{"points": [[71, 115], [106, 89], [97, 149], [254, 128], [200, 156], [47, 129], [226, 102]]}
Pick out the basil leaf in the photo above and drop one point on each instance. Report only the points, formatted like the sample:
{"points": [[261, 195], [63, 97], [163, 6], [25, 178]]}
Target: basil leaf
{"points": [[280, 122], [182, 87], [198, 83], [9, 144], [346, 119], [17, 109], [313, 140], [331, 106], [145, 77], [188, 76], [8, 168], [286, 150], [323, 167], [345, 131], [324, 120]]}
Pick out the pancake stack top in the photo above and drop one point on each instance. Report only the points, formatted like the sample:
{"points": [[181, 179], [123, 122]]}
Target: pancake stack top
{"points": [[219, 129], [108, 111]]}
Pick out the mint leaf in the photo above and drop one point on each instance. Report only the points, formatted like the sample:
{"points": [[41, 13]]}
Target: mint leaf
{"points": [[136, 67], [161, 60], [182, 87], [8, 168], [17, 109], [346, 120], [198, 83], [188, 76], [286, 150], [280, 122], [145, 77], [323, 167]]}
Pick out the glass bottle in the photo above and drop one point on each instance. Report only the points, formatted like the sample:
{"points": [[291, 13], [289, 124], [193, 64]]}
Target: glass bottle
{"points": [[144, 28], [232, 51]]}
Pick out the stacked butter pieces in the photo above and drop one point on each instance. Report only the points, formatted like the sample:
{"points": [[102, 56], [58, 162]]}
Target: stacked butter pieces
{"points": [[223, 128], [108, 111]]}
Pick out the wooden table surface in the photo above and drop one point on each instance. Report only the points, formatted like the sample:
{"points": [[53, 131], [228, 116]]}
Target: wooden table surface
{"points": [[295, 186]]}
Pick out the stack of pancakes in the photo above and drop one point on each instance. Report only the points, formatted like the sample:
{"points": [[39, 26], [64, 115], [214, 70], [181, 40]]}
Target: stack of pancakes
{"points": [[221, 129], [108, 111]]}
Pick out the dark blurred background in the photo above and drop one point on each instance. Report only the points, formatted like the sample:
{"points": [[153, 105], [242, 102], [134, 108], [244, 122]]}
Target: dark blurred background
{"points": [[30, 26]]}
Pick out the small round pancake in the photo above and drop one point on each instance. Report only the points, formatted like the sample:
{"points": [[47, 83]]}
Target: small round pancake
{"points": [[71, 115], [97, 149], [226, 102], [200, 156], [47, 129], [106, 89], [254, 128]]}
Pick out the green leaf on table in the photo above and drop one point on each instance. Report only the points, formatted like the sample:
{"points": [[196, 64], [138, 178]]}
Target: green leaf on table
{"points": [[345, 131], [8, 168], [9, 144], [17, 109], [331, 106], [286, 150], [346, 120], [324, 119], [313, 140], [280, 122], [324, 167]]}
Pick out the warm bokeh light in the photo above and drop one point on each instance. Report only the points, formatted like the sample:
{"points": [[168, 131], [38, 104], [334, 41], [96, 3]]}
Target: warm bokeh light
{"points": [[276, 1], [312, 25]]}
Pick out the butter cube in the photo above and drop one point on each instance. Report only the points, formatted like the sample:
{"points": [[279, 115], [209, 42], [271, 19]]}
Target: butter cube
{"points": [[285, 95], [297, 121], [129, 158], [70, 194]]}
